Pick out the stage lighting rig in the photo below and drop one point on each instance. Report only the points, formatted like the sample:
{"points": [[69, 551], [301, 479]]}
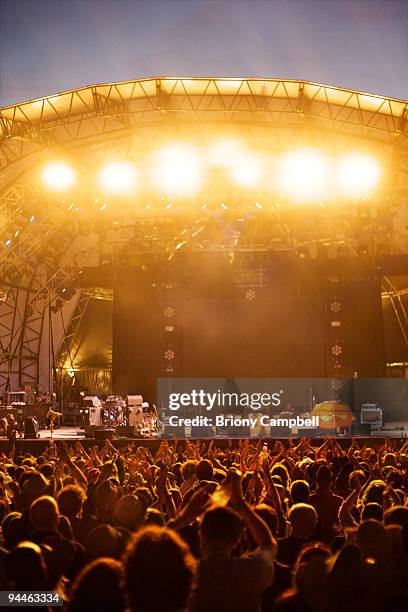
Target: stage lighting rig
{"points": [[358, 175], [177, 170], [247, 172], [303, 175], [57, 305], [58, 176], [118, 177], [13, 275]]}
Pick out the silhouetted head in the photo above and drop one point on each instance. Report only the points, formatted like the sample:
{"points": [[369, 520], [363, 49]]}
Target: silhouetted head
{"points": [[159, 571], [204, 470], [44, 514], [324, 477], [303, 519], [300, 491], [98, 587], [25, 567], [220, 528]]}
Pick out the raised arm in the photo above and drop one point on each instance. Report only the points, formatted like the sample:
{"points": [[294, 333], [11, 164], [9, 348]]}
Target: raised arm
{"points": [[75, 470], [345, 517], [274, 495], [258, 529]]}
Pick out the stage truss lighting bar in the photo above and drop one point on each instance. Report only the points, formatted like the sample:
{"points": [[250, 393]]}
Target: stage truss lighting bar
{"points": [[358, 175], [177, 170], [118, 177], [58, 176]]}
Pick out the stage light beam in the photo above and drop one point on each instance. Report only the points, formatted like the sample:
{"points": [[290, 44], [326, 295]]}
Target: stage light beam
{"points": [[118, 177], [303, 175], [225, 153], [243, 166], [58, 176], [177, 170], [358, 175], [247, 171]]}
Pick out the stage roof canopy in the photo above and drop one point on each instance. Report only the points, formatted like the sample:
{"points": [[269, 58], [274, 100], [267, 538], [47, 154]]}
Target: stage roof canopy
{"points": [[269, 109]]}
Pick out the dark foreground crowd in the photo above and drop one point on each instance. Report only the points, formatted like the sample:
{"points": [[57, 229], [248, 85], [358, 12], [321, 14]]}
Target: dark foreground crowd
{"points": [[197, 527]]}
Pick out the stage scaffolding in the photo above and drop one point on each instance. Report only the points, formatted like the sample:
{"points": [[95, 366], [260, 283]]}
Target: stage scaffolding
{"points": [[46, 243]]}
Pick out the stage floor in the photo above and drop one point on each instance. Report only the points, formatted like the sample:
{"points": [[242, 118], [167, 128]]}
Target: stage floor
{"points": [[389, 430], [63, 433], [72, 434]]}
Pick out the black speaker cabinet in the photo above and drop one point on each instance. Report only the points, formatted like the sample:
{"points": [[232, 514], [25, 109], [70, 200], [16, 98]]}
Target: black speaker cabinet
{"points": [[31, 428], [104, 434]]}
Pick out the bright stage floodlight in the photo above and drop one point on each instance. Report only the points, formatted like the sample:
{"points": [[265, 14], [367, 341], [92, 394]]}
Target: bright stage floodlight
{"points": [[118, 177], [58, 176], [243, 166], [303, 174], [358, 175], [247, 171], [177, 170]]}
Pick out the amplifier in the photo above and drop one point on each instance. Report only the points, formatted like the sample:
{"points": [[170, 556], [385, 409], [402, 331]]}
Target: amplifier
{"points": [[371, 414]]}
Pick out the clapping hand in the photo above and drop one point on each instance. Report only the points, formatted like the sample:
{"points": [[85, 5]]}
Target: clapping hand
{"points": [[197, 503]]}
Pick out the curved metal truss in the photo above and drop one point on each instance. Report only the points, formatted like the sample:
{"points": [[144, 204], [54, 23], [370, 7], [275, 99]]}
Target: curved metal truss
{"points": [[41, 249], [85, 113]]}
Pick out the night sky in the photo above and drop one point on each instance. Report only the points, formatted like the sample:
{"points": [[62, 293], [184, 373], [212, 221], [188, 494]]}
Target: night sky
{"points": [[47, 46]]}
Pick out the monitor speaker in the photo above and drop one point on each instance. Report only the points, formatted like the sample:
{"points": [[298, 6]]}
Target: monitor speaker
{"points": [[127, 431], [31, 428], [104, 434]]}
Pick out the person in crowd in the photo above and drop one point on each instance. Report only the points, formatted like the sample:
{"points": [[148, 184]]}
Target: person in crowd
{"points": [[227, 581], [98, 587], [303, 521], [326, 503], [300, 492], [25, 568], [70, 500], [158, 571], [309, 575]]}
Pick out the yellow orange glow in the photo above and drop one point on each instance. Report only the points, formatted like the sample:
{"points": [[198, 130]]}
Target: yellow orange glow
{"points": [[181, 168], [358, 175], [225, 152], [58, 176], [118, 177], [177, 169], [303, 175], [243, 165], [247, 171]]}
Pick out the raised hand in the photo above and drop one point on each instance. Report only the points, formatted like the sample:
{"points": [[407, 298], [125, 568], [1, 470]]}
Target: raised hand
{"points": [[235, 485]]}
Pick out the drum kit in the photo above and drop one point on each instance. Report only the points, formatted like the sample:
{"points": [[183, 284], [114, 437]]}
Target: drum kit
{"points": [[136, 413], [142, 417], [114, 412]]}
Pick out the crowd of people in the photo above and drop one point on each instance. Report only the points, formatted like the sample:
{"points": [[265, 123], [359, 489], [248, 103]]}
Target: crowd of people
{"points": [[205, 526]]}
